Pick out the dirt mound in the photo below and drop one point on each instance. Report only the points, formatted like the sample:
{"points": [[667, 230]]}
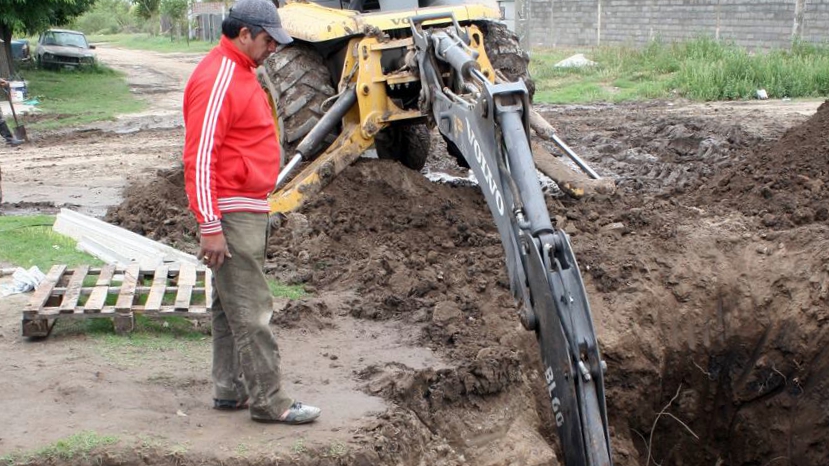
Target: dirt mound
{"points": [[412, 249], [648, 149], [158, 210], [686, 304], [783, 183]]}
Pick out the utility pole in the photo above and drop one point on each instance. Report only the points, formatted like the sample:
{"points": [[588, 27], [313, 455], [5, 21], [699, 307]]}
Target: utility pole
{"points": [[717, 30], [799, 13], [522, 22]]}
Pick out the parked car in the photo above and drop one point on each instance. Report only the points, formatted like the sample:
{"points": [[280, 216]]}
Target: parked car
{"points": [[61, 48], [20, 49]]}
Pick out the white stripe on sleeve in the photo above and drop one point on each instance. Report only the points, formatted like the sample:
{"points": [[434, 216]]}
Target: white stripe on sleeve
{"points": [[203, 156]]}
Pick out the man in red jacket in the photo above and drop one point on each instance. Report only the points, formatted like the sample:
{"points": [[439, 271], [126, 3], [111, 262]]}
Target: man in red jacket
{"points": [[231, 162]]}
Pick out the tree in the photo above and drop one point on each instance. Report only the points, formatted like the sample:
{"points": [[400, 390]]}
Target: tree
{"points": [[32, 17], [146, 9], [107, 16], [176, 10]]}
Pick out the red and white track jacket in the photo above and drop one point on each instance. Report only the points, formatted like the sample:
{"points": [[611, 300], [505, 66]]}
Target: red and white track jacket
{"points": [[231, 154]]}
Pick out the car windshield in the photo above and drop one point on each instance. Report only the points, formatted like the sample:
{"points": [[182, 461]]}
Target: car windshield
{"points": [[66, 39]]}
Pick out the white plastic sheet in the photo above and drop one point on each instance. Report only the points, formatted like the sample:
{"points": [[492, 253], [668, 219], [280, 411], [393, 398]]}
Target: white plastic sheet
{"points": [[576, 61], [23, 280]]}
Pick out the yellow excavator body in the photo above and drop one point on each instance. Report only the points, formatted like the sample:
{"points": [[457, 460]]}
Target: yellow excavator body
{"points": [[362, 68], [314, 23]]}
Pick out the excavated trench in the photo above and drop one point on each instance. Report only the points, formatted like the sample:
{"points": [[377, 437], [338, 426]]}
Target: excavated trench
{"points": [[708, 274]]}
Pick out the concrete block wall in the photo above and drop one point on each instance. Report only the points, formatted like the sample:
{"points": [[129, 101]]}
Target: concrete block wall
{"points": [[755, 24], [816, 21]]}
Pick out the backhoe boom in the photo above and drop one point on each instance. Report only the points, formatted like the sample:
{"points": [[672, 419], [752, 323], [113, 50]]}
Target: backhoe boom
{"points": [[489, 125]]}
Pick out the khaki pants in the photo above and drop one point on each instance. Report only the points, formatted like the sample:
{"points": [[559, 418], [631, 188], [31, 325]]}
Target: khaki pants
{"points": [[245, 353]]}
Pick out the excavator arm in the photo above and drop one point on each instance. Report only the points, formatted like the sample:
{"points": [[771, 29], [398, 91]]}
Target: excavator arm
{"points": [[488, 124]]}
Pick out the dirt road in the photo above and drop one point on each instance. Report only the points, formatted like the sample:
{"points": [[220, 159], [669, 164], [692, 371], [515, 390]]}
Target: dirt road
{"points": [[87, 168], [707, 273], [157, 77]]}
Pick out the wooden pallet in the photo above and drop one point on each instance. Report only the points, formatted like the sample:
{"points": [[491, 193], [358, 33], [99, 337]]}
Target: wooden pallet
{"points": [[118, 292]]}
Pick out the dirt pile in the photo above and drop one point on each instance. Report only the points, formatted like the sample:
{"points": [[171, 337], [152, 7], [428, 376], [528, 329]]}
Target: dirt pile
{"points": [[158, 210], [647, 149], [783, 183], [686, 304]]}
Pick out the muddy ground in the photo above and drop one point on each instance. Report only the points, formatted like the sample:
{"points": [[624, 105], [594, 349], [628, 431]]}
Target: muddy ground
{"points": [[707, 271]]}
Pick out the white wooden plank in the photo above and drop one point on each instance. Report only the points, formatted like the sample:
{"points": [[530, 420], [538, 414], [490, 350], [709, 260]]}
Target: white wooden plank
{"points": [[44, 290], [102, 252], [98, 297], [157, 290], [208, 289], [73, 289], [186, 282], [125, 298]]}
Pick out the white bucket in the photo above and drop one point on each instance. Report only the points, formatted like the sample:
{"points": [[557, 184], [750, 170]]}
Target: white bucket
{"points": [[17, 90]]}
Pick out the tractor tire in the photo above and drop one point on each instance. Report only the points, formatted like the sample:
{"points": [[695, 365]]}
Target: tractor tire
{"points": [[302, 83], [506, 54], [409, 145]]}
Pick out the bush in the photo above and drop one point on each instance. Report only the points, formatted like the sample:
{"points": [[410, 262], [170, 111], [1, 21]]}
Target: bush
{"points": [[95, 22], [713, 71], [699, 69], [106, 17]]}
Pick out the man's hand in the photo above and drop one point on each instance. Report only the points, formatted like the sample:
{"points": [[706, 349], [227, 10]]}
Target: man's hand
{"points": [[4, 83], [214, 250]]}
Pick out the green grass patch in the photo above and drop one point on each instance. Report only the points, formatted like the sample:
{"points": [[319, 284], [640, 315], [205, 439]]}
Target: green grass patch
{"points": [[154, 43], [75, 97], [699, 69], [337, 449], [29, 240], [74, 448], [281, 290], [147, 332]]}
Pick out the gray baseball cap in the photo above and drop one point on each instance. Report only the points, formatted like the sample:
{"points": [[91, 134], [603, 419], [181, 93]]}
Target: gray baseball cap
{"points": [[261, 13]]}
